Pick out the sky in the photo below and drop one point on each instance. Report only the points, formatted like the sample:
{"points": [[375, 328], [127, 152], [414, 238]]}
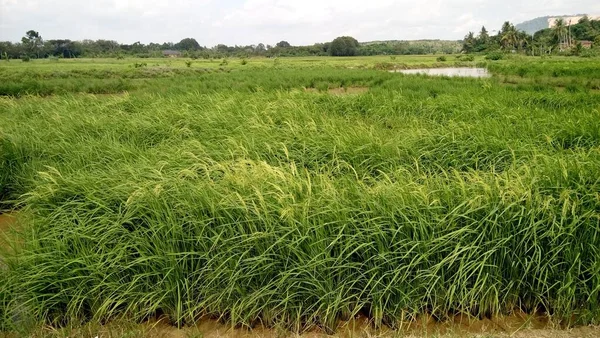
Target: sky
{"points": [[246, 22]]}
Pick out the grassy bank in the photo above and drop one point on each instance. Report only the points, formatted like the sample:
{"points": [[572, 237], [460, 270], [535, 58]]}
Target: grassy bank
{"points": [[234, 192]]}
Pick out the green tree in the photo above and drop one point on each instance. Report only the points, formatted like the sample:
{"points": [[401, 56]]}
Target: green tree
{"points": [[344, 46], [283, 44], [584, 30], [33, 43], [469, 43], [508, 36], [484, 36], [187, 44], [260, 49], [561, 32]]}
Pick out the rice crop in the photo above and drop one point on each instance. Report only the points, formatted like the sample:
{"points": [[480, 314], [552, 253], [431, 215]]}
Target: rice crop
{"points": [[240, 194]]}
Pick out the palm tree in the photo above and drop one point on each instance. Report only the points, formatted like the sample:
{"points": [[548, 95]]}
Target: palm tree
{"points": [[469, 43], [560, 32], [508, 36]]}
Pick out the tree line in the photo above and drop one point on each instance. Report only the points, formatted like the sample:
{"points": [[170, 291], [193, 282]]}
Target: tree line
{"points": [[562, 38], [32, 45]]}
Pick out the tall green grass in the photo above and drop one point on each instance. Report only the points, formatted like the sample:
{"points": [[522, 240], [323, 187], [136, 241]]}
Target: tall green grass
{"points": [[242, 196]]}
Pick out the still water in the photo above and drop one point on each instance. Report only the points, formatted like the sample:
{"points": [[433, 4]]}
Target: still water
{"points": [[460, 72]]}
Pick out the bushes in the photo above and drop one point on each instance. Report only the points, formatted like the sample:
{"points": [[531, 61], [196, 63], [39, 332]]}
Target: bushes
{"points": [[494, 56], [25, 58], [590, 52], [441, 59]]}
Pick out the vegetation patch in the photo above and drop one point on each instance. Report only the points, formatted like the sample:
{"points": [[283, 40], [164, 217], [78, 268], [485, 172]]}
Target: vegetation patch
{"points": [[233, 194]]}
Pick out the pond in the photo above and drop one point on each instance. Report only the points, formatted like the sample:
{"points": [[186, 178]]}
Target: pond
{"points": [[460, 72]]}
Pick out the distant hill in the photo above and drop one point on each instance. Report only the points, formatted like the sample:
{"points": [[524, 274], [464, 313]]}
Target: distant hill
{"points": [[537, 24]]}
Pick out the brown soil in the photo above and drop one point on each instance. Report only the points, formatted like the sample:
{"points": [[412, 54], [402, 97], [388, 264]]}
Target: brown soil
{"points": [[519, 326], [6, 222]]}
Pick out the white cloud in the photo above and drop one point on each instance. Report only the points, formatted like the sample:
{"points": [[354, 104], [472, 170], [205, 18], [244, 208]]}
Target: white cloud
{"points": [[269, 21]]}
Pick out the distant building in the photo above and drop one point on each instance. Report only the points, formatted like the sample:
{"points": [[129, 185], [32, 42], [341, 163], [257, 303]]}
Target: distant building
{"points": [[171, 53], [586, 44]]}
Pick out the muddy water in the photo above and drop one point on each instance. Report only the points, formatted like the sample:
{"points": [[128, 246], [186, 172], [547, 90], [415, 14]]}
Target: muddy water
{"points": [[459, 72]]}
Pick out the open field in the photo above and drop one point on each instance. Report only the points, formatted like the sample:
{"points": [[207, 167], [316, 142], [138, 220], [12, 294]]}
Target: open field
{"points": [[298, 193]]}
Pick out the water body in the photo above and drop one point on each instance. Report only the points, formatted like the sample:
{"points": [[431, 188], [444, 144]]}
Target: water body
{"points": [[460, 72]]}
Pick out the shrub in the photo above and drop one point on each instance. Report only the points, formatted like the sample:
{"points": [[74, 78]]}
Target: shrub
{"points": [[244, 62], [188, 64], [140, 65], [441, 59], [494, 56], [224, 62], [25, 58], [120, 57], [588, 53], [467, 58]]}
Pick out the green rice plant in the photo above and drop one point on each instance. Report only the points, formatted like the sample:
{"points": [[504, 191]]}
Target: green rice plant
{"points": [[242, 196]]}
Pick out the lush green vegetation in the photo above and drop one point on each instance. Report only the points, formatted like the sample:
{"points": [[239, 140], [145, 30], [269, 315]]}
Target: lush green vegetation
{"points": [[564, 38], [263, 192], [34, 46]]}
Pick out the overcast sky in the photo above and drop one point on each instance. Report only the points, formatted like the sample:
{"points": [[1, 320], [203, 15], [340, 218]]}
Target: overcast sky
{"points": [[269, 21]]}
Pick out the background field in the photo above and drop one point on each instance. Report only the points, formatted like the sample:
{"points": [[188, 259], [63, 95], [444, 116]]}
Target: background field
{"points": [[298, 192]]}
